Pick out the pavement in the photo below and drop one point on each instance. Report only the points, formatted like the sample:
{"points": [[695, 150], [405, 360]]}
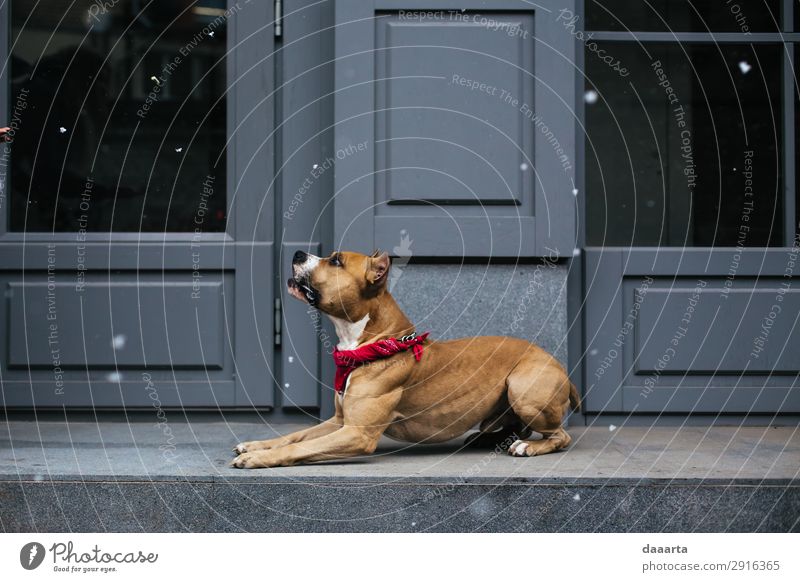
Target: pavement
{"points": [[202, 450], [173, 475]]}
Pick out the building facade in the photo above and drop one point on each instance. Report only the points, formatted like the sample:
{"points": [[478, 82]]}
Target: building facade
{"points": [[615, 182]]}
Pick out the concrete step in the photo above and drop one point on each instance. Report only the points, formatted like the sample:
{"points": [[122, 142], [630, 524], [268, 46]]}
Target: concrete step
{"points": [[173, 476]]}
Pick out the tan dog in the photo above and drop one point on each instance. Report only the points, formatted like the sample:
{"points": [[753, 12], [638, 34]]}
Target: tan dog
{"points": [[508, 385]]}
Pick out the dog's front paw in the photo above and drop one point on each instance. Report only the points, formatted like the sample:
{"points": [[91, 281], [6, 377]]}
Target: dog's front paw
{"points": [[250, 446], [242, 448], [254, 460]]}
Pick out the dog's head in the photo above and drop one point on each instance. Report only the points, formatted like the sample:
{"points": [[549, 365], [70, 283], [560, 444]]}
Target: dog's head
{"points": [[339, 284]]}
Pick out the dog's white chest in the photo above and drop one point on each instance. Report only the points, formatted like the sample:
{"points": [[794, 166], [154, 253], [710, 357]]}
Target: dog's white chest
{"points": [[349, 331]]}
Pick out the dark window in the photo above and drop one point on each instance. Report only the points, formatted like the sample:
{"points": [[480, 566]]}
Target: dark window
{"points": [[685, 148], [684, 15], [120, 116]]}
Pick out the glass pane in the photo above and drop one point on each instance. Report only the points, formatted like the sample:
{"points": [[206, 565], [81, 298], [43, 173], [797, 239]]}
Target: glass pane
{"points": [[684, 149], [684, 15], [120, 116]]}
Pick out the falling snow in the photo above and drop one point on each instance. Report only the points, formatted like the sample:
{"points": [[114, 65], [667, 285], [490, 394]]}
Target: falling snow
{"points": [[523, 166], [591, 96], [744, 67], [576, 497], [118, 341], [62, 130], [179, 150], [612, 427]]}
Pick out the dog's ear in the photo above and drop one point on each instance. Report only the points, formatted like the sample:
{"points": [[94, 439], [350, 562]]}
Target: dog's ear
{"points": [[379, 264]]}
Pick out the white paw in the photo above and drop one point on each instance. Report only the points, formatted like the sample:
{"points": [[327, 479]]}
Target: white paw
{"points": [[239, 449], [518, 449]]}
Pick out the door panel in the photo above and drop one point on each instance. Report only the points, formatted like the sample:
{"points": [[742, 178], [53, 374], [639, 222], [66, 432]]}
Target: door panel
{"points": [[670, 331], [203, 344], [717, 329], [473, 135], [96, 328]]}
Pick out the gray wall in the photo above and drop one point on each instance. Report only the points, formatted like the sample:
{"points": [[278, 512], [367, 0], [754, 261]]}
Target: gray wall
{"points": [[450, 301]]}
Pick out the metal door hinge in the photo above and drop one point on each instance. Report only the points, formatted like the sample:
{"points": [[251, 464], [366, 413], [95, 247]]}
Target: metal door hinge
{"points": [[278, 18], [278, 321]]}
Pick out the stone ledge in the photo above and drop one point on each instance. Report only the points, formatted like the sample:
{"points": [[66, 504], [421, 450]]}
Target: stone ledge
{"points": [[408, 507], [202, 450], [113, 476]]}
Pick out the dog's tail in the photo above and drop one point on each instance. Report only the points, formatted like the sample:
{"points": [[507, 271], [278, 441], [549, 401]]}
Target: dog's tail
{"points": [[574, 398]]}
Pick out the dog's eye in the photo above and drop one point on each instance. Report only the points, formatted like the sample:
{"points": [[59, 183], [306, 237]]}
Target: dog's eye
{"points": [[335, 261]]}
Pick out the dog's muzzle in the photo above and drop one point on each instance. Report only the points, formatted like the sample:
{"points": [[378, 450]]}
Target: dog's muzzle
{"points": [[300, 284], [303, 291]]}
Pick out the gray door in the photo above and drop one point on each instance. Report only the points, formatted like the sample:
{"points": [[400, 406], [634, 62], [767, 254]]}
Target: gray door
{"points": [[137, 218], [691, 229], [443, 124]]}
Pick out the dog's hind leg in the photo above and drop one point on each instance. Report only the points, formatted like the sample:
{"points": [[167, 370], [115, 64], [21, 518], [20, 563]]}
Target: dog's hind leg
{"points": [[539, 394], [490, 440], [495, 431]]}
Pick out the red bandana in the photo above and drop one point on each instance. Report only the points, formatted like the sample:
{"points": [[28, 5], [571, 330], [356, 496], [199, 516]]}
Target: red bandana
{"points": [[348, 360]]}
